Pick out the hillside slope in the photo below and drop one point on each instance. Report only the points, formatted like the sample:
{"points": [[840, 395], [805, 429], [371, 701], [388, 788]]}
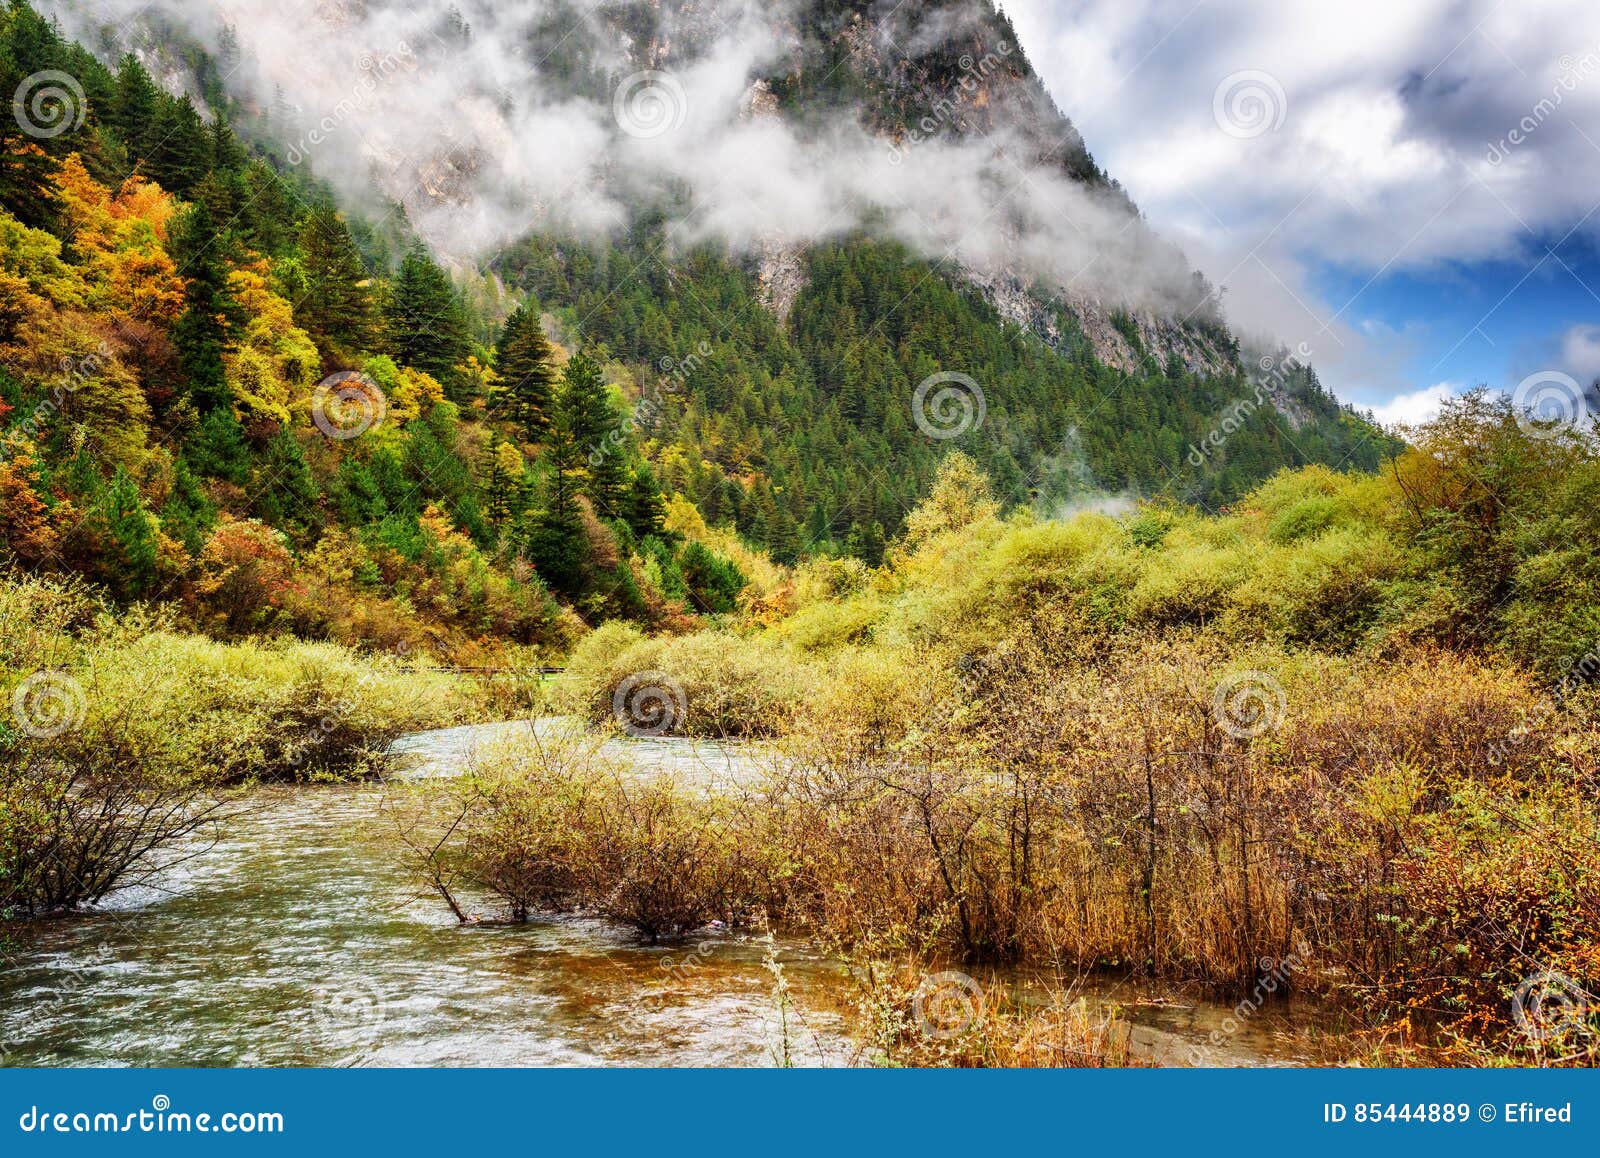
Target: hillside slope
{"points": [[184, 303]]}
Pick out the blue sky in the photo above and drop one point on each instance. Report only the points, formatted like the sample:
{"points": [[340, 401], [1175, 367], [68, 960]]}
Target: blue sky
{"points": [[1412, 189], [1488, 322]]}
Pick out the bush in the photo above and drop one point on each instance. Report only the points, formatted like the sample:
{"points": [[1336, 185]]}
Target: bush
{"points": [[551, 825], [714, 684], [123, 734]]}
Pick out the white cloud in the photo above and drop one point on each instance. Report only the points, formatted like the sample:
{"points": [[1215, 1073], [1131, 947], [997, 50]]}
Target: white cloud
{"points": [[1416, 407], [484, 138], [1394, 153], [1580, 352]]}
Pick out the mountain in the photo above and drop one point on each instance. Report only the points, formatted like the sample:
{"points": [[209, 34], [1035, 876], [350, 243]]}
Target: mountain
{"points": [[876, 242]]}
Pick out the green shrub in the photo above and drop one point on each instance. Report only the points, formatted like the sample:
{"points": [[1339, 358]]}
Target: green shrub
{"points": [[716, 684]]}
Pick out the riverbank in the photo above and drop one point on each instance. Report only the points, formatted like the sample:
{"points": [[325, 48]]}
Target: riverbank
{"points": [[300, 938]]}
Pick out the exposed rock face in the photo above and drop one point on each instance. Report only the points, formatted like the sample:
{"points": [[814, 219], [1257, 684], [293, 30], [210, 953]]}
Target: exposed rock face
{"points": [[953, 70], [1096, 323], [781, 276]]}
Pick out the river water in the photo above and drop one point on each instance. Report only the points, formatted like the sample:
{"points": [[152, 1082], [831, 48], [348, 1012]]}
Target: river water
{"points": [[298, 938]]}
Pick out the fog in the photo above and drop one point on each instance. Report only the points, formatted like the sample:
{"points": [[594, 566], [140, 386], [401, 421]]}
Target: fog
{"points": [[488, 121]]}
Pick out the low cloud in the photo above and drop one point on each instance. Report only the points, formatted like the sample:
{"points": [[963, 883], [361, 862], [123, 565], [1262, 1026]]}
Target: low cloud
{"points": [[1417, 407], [1580, 352], [1416, 137], [537, 115]]}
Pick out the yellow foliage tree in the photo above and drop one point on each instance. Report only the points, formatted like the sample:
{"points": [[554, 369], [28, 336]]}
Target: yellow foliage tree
{"points": [[406, 392], [35, 286], [275, 364], [120, 244]]}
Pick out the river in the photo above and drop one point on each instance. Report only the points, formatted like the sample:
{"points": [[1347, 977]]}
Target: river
{"points": [[298, 939]]}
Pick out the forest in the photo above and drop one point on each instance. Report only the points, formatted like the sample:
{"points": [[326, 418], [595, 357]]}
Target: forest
{"points": [[223, 392], [1155, 671]]}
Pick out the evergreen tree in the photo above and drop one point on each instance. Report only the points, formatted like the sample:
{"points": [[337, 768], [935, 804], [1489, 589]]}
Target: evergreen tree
{"points": [[644, 511], [129, 531], [218, 448], [229, 54], [584, 429], [286, 494], [714, 582], [187, 515], [25, 168], [178, 158], [498, 483], [425, 324], [555, 542], [336, 307], [526, 393], [201, 332]]}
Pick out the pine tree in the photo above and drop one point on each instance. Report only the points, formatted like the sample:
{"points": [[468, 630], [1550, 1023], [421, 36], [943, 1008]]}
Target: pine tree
{"points": [[25, 168], [129, 533], [336, 309], [498, 483], [201, 332], [229, 54], [644, 510], [608, 482], [285, 492], [555, 542], [585, 429], [218, 448], [783, 537], [188, 514], [178, 158], [425, 324], [222, 188], [526, 394], [267, 221]]}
